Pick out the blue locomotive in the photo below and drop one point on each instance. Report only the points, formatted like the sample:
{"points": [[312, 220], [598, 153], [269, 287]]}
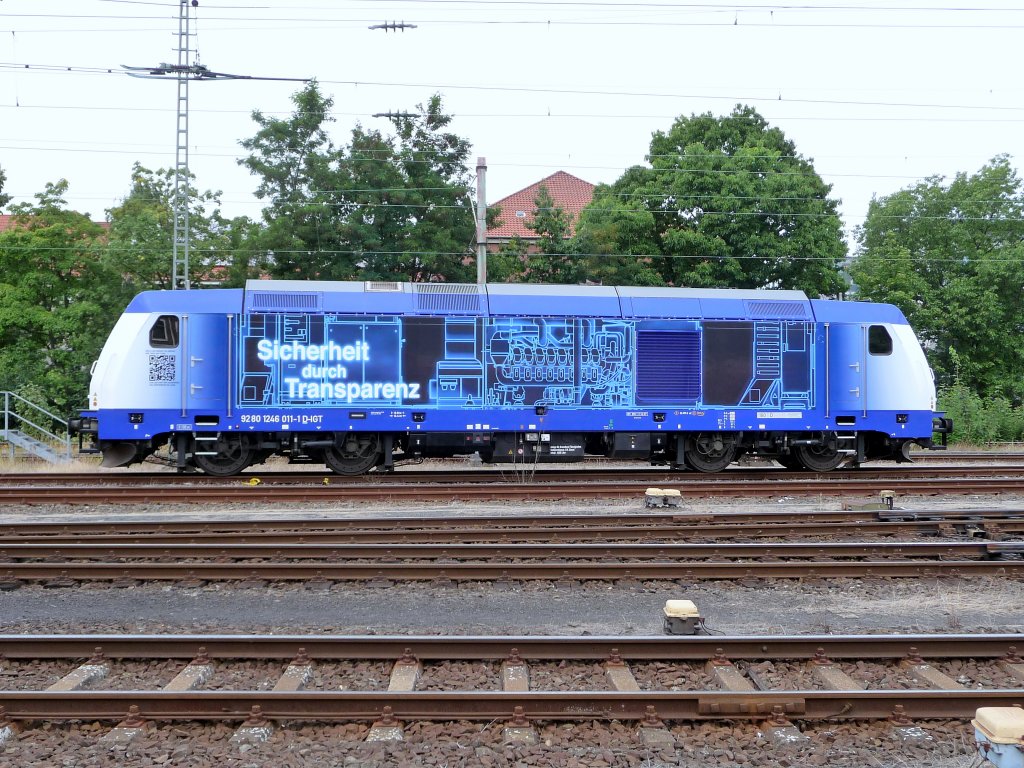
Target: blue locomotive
{"points": [[359, 375]]}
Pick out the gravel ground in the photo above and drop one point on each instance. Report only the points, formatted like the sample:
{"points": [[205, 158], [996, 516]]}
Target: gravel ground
{"points": [[32, 675], [350, 676], [665, 676], [755, 607], [135, 675], [568, 676], [460, 676], [531, 608], [471, 745]]}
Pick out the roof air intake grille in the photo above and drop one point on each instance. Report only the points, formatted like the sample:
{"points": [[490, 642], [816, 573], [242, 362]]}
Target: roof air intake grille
{"points": [[379, 286], [776, 310], [267, 301], [446, 297]]}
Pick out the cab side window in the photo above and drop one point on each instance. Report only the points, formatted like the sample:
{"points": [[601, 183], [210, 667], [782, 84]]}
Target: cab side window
{"points": [[879, 340], [164, 333]]}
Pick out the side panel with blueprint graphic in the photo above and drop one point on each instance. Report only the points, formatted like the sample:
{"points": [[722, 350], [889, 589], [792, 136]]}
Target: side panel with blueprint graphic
{"points": [[329, 360]]}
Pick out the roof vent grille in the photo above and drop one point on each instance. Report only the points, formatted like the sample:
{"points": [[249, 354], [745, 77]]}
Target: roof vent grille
{"points": [[380, 286], [447, 297], [280, 301], [777, 310]]}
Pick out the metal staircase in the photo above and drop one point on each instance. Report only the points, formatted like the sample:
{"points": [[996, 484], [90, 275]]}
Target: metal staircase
{"points": [[23, 431]]}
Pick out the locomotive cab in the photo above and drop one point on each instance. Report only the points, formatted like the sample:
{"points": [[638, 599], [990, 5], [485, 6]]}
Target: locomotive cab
{"points": [[162, 370]]}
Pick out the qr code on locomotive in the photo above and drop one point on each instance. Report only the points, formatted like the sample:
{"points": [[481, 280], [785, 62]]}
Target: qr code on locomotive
{"points": [[162, 369]]}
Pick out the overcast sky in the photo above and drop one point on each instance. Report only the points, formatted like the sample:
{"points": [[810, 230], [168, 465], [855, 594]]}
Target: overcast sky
{"points": [[879, 95]]}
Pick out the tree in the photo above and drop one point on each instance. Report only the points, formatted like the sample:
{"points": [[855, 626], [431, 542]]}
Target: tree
{"points": [[141, 235], [56, 306], [950, 255], [381, 208], [552, 259], [616, 239], [4, 199], [292, 159], [730, 204]]}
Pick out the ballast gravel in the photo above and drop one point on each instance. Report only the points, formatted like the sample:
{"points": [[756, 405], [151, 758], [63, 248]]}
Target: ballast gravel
{"points": [[568, 676], [350, 676], [460, 676], [665, 676], [16, 675], [244, 676], [470, 745], [137, 675]]}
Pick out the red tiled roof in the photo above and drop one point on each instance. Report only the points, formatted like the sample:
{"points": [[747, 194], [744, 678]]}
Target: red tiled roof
{"points": [[568, 192]]}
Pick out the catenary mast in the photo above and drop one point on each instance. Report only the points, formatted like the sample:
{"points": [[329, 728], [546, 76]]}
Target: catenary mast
{"points": [[184, 71]]}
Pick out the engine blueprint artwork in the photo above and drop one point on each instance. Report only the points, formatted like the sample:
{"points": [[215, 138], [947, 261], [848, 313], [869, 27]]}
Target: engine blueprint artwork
{"points": [[584, 363], [465, 362]]}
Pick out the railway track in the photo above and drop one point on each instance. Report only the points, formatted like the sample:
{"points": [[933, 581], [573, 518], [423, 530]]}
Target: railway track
{"points": [[734, 689], [552, 528], [690, 485], [194, 574], [64, 564], [554, 547], [188, 553], [458, 474]]}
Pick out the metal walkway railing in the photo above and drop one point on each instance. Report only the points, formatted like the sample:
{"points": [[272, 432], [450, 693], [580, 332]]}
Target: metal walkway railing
{"points": [[34, 431]]}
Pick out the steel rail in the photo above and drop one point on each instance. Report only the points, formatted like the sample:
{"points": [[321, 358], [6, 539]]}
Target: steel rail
{"points": [[14, 553], [500, 647], [586, 470], [479, 705], [546, 528], [638, 519], [994, 463], [694, 531], [455, 572], [705, 486]]}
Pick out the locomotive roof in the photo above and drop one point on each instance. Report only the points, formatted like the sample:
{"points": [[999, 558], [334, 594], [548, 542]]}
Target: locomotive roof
{"points": [[523, 300], [512, 300]]}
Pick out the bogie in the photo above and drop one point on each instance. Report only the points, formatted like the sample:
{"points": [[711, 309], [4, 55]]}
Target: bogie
{"points": [[223, 454], [354, 453]]}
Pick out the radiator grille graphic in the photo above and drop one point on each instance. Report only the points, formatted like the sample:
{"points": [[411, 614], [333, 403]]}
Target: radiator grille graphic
{"points": [[668, 367]]}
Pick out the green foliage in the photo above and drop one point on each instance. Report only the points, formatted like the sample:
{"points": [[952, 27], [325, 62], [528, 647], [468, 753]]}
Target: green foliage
{"points": [[56, 306], [978, 420], [4, 199], [142, 233], [507, 264], [616, 238], [382, 208], [28, 416], [727, 202], [950, 255], [553, 259]]}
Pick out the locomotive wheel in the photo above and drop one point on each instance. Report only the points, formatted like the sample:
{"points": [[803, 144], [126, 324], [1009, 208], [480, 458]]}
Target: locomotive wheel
{"points": [[710, 451], [356, 453], [820, 458], [234, 453], [791, 462]]}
